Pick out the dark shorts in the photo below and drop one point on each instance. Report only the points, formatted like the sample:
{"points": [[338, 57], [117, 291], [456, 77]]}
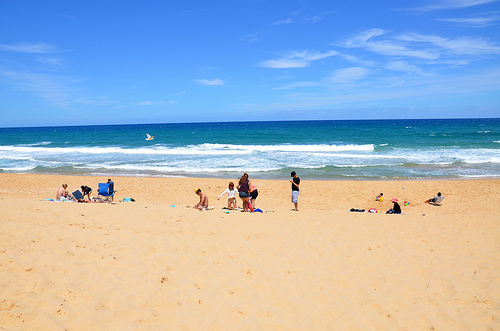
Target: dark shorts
{"points": [[254, 194], [243, 195]]}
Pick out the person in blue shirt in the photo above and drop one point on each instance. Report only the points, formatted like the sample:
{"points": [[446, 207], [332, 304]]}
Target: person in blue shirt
{"points": [[111, 189]]}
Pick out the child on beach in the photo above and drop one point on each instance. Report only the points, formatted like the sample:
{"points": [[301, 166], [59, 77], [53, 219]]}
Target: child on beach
{"points": [[380, 197], [231, 198], [203, 204], [253, 195]]}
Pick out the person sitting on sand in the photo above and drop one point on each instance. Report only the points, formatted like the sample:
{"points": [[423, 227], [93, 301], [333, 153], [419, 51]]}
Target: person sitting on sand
{"points": [[437, 199], [203, 204], [61, 192], [231, 198], [380, 197], [396, 209]]}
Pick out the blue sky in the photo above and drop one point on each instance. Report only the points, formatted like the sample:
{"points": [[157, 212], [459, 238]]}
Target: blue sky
{"points": [[117, 62]]}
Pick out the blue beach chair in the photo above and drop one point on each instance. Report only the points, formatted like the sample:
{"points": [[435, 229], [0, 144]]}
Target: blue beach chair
{"points": [[104, 192]]}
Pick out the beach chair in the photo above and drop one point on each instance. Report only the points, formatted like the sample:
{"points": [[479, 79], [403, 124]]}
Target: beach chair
{"points": [[78, 195], [438, 201], [103, 193]]}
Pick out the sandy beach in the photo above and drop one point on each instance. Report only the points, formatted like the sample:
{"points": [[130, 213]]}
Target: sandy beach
{"points": [[158, 264]]}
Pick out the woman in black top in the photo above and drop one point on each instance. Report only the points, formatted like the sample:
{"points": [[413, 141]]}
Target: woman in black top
{"points": [[86, 191]]}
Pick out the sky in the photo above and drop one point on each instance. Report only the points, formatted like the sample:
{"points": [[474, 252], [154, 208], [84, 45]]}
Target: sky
{"points": [[136, 62]]}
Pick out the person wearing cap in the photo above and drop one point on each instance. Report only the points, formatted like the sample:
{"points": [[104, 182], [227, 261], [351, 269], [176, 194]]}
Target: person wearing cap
{"points": [[203, 204], [396, 209], [295, 189]]}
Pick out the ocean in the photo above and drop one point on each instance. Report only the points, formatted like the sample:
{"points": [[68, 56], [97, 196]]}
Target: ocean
{"points": [[316, 150]]}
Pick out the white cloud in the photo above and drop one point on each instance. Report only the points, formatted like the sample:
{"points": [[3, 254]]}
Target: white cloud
{"points": [[365, 36], [453, 4], [287, 21], [52, 88], [151, 103], [295, 59], [283, 64], [50, 61], [23, 47], [348, 75], [298, 85], [210, 82], [387, 47], [474, 22], [458, 46], [402, 66], [318, 18]]}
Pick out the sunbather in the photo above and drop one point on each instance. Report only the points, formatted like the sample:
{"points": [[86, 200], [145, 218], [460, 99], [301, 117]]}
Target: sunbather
{"points": [[61, 192], [203, 204], [436, 200]]}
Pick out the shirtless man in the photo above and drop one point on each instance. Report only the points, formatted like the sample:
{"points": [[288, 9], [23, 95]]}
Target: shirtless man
{"points": [[203, 204], [61, 192]]}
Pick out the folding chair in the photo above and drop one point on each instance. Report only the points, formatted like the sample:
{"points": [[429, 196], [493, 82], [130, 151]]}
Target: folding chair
{"points": [[78, 195], [104, 192], [438, 201]]}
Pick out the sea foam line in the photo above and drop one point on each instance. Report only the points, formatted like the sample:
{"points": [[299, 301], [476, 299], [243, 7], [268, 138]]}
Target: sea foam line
{"points": [[223, 149]]}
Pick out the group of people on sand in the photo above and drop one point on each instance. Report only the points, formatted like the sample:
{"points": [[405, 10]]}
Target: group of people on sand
{"points": [[64, 195], [396, 208], [248, 193]]}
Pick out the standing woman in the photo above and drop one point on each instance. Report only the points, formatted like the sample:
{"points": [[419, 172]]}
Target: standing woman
{"points": [[243, 189]]}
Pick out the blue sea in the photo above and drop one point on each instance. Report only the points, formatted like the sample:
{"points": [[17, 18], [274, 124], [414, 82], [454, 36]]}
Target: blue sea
{"points": [[352, 150]]}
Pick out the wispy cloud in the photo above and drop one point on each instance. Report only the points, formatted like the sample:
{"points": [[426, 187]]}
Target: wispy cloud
{"points": [[24, 47], [50, 61], [457, 46], [210, 82], [422, 47], [286, 21], [473, 22], [403, 66], [348, 75], [383, 90], [318, 18], [387, 47], [454, 4], [252, 37], [52, 88], [298, 85], [151, 103], [296, 59]]}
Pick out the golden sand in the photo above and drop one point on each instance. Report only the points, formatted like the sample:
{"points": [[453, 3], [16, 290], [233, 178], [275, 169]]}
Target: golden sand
{"points": [[158, 264]]}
